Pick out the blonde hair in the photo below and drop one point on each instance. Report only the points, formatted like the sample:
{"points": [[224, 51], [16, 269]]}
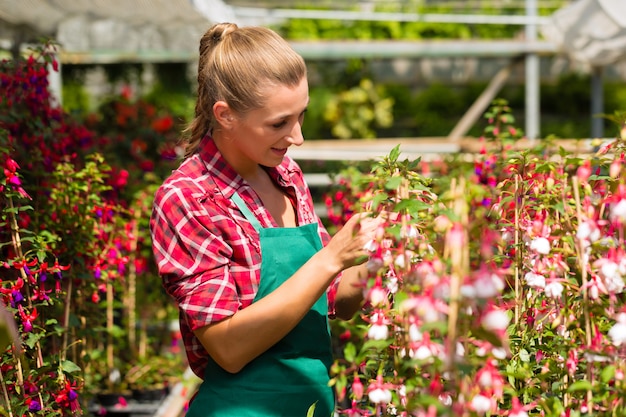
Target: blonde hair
{"points": [[235, 65]]}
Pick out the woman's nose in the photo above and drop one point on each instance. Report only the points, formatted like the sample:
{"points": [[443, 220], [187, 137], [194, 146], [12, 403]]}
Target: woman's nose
{"points": [[295, 136]]}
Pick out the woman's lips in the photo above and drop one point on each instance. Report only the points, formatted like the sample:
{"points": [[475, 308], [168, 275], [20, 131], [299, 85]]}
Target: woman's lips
{"points": [[280, 151]]}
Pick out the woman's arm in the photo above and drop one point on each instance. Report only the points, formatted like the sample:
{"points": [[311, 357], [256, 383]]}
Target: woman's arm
{"points": [[349, 297], [238, 339]]}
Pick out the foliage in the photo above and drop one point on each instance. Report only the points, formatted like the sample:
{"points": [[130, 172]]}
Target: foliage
{"points": [[70, 244], [497, 291], [315, 29], [354, 113]]}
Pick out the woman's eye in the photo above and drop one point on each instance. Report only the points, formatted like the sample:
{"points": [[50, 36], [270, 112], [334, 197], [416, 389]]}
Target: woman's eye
{"points": [[279, 124]]}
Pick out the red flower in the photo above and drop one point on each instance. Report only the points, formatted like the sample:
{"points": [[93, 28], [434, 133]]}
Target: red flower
{"points": [[163, 124]]}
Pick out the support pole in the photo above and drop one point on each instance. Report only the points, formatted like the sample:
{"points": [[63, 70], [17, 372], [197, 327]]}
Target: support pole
{"points": [[55, 84], [481, 104], [532, 76]]}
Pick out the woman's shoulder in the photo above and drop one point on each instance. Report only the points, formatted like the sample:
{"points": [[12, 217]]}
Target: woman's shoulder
{"points": [[190, 178]]}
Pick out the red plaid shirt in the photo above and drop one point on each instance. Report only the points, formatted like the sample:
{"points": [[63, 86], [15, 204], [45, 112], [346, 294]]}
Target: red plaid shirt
{"points": [[207, 253]]}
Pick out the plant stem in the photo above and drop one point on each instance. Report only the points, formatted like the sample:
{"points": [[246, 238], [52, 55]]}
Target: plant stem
{"points": [[66, 319], [518, 256], [17, 245], [6, 395], [109, 347], [132, 286], [459, 265], [582, 259]]}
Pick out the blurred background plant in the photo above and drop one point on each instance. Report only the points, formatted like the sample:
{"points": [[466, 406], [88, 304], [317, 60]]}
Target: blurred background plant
{"points": [[74, 242]]}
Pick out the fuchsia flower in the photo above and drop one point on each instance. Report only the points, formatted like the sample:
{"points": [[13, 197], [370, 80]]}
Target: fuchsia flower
{"points": [[495, 320], [379, 325], [357, 388], [67, 397], [553, 288], [485, 283], [540, 245], [14, 293], [27, 318], [379, 392], [617, 333], [355, 411], [377, 295], [489, 379], [482, 403]]}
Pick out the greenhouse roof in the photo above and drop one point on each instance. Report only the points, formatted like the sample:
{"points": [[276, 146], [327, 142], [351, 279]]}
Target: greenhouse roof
{"points": [[92, 31], [153, 30]]}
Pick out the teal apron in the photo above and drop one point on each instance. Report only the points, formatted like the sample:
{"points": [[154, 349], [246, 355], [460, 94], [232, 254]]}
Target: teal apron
{"points": [[292, 375]]}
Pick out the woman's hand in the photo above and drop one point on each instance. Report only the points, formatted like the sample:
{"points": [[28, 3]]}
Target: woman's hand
{"points": [[349, 246]]}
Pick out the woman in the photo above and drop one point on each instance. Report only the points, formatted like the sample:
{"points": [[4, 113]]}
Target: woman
{"points": [[237, 241]]}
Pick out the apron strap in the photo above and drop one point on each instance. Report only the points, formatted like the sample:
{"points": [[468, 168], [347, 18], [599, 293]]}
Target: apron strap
{"points": [[243, 207]]}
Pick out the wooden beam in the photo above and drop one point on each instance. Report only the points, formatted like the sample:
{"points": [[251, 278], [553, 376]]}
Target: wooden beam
{"points": [[477, 109]]}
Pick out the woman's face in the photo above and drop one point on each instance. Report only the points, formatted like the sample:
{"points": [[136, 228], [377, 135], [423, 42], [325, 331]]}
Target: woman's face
{"points": [[262, 136]]}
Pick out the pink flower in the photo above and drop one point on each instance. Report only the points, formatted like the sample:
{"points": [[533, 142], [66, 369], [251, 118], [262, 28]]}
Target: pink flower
{"points": [[534, 280], [355, 411], [357, 388], [379, 392], [481, 404], [554, 289], [540, 245], [379, 329], [496, 320], [617, 333]]}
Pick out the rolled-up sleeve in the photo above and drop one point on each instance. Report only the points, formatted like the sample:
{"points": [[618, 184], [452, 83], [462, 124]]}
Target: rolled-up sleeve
{"points": [[192, 257]]}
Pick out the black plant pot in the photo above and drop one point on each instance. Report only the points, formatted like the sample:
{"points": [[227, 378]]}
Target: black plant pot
{"points": [[110, 399], [149, 395]]}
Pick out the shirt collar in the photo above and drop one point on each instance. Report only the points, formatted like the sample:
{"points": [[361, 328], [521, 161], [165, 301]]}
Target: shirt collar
{"points": [[227, 179]]}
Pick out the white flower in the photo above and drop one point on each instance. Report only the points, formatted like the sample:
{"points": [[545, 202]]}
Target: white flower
{"points": [[374, 264], [410, 231], [488, 285], [400, 261], [617, 333], [588, 231], [379, 395], [378, 332], [610, 273], [618, 211], [414, 333], [540, 245], [609, 269], [554, 289], [535, 280], [499, 352], [481, 404], [468, 291], [445, 399], [370, 246], [392, 285], [423, 352], [496, 320], [378, 296], [614, 283]]}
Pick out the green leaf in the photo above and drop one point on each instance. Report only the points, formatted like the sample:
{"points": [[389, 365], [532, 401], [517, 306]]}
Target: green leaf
{"points": [[349, 352], [393, 183], [311, 411], [524, 355], [69, 367], [583, 385], [394, 153], [607, 374]]}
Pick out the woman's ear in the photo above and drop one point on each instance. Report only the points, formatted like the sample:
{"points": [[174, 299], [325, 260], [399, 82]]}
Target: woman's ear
{"points": [[223, 114]]}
